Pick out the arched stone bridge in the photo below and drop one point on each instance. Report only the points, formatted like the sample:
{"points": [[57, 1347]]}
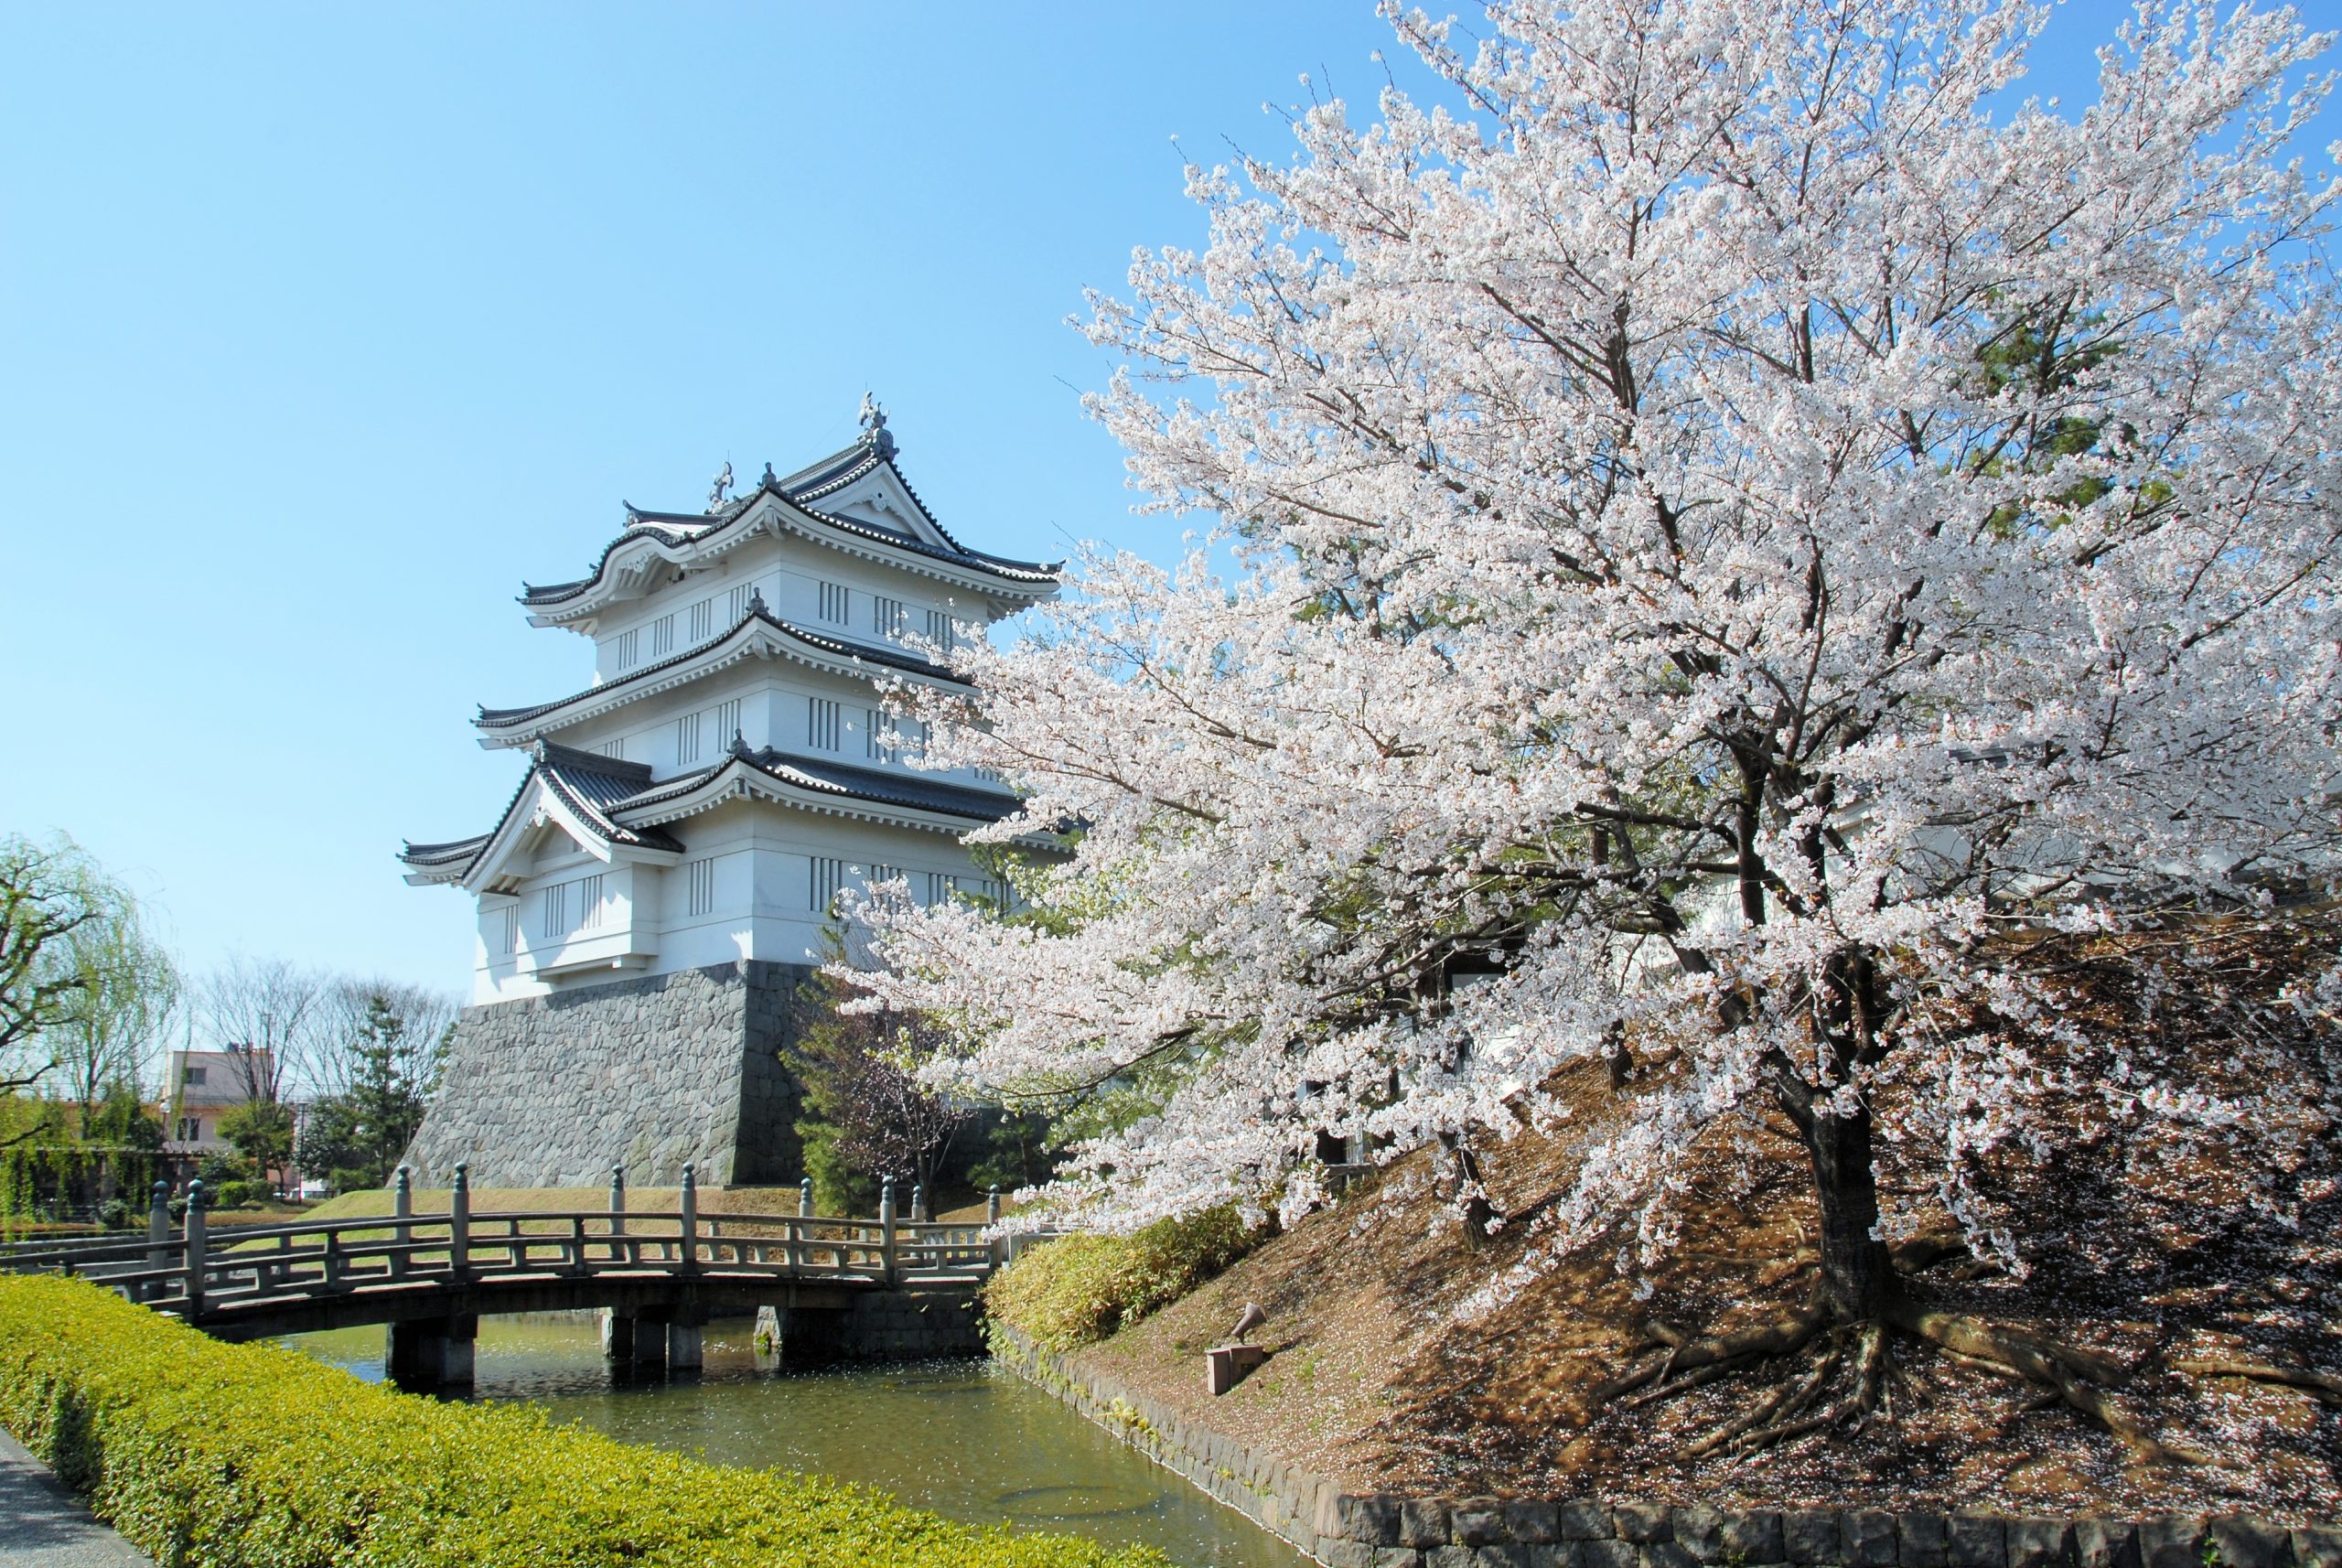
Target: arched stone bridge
{"points": [[827, 1288]]}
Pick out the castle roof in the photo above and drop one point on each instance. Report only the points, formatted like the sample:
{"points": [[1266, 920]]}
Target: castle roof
{"points": [[609, 806], [759, 634], [794, 504]]}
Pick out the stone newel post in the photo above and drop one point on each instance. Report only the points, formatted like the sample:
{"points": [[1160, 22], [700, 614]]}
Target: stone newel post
{"points": [[687, 1213], [401, 1209], [805, 1197], [617, 1200], [193, 1260], [991, 1207], [459, 1222], [887, 1229]]}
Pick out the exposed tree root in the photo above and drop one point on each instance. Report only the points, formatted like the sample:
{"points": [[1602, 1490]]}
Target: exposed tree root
{"points": [[2325, 1386], [1851, 1379]]}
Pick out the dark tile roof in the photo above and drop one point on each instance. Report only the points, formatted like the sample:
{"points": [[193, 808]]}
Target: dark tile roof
{"points": [[592, 786], [821, 775], [893, 657], [443, 854], [800, 490]]}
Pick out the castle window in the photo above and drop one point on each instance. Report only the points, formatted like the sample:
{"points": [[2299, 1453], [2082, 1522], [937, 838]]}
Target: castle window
{"points": [[820, 723], [837, 604], [880, 874], [703, 620], [878, 736], [687, 739], [735, 604], [511, 927], [702, 892], [826, 877], [557, 909], [622, 651], [662, 636], [614, 748], [727, 721], [941, 631], [937, 887], [589, 903], [887, 616]]}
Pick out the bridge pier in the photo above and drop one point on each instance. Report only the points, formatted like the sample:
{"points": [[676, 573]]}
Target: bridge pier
{"points": [[433, 1352]]}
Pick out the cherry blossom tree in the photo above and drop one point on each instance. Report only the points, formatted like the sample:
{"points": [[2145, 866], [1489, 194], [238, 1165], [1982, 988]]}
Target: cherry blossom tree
{"points": [[1715, 517]]}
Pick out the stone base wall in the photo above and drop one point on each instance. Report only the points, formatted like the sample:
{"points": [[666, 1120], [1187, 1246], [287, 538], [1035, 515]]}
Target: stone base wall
{"points": [[1349, 1529], [649, 1073]]}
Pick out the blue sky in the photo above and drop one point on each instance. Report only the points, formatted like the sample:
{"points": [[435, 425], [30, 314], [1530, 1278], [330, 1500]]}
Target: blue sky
{"points": [[324, 327]]}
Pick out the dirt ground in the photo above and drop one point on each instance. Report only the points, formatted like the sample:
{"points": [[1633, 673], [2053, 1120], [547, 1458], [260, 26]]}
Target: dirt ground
{"points": [[1385, 1376]]}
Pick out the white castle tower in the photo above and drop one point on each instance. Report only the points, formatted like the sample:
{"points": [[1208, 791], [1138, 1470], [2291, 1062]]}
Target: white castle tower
{"points": [[688, 818]]}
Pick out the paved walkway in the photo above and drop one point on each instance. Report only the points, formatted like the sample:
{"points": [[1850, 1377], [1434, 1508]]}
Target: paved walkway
{"points": [[42, 1525]]}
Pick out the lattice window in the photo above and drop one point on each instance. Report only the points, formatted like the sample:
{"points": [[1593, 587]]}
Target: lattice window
{"points": [[837, 604], [878, 736], [557, 922], [589, 903], [937, 889], [703, 620], [941, 630], [887, 616], [687, 740], [614, 748], [662, 636], [727, 722], [820, 723], [509, 929], [880, 874], [622, 649], [702, 891], [824, 878]]}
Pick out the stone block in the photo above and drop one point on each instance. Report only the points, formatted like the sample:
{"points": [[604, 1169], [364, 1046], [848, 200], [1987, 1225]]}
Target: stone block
{"points": [[1976, 1541], [1867, 1538], [2105, 1543], [1531, 1522], [1921, 1540], [2244, 1542], [1423, 1521], [1810, 1535], [1339, 1553], [1642, 1524], [1581, 1519], [1556, 1555], [1609, 1554], [1753, 1535], [1698, 1530], [1477, 1521], [1668, 1554], [1354, 1516], [2040, 1543], [2171, 1541], [2318, 1546], [1397, 1557]]}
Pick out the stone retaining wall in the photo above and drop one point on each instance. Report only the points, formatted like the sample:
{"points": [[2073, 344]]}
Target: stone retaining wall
{"points": [[1348, 1529], [651, 1073]]}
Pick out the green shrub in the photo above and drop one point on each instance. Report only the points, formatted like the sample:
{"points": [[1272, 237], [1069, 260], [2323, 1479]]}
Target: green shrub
{"points": [[1080, 1289], [212, 1455], [236, 1194]]}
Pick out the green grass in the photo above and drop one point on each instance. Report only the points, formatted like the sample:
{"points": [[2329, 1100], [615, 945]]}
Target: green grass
{"points": [[212, 1455]]}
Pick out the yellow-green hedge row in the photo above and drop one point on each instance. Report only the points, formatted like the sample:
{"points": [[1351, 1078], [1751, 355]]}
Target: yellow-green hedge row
{"points": [[212, 1455], [1080, 1289]]}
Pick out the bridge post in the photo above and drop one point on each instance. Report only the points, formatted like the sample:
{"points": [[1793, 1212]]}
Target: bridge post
{"points": [[433, 1352], [618, 1335], [459, 1222], [919, 1204], [887, 1229], [805, 1198], [402, 1205], [617, 1206], [193, 1261], [683, 1340], [687, 1217], [991, 1207], [159, 1239]]}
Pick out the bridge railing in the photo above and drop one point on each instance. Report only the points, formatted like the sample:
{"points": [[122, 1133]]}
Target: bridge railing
{"points": [[188, 1270]]}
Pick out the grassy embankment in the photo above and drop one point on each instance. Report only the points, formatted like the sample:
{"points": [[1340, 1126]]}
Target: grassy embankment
{"points": [[250, 1457]]}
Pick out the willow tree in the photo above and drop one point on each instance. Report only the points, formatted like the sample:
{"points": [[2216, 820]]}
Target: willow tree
{"points": [[1728, 507]]}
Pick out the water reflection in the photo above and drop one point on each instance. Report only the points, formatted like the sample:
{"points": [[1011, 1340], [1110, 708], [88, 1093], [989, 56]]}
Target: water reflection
{"points": [[963, 1438]]}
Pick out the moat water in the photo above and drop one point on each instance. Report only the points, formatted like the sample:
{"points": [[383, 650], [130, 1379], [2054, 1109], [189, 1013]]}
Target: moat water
{"points": [[966, 1439]]}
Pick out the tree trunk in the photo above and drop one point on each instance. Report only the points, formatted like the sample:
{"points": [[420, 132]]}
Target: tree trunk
{"points": [[1857, 1274]]}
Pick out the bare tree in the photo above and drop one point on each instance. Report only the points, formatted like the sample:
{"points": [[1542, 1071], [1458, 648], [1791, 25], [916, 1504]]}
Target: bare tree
{"points": [[347, 1022], [266, 1013]]}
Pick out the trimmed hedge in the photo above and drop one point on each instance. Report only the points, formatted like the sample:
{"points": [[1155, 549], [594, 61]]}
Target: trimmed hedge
{"points": [[1078, 1290], [212, 1455]]}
